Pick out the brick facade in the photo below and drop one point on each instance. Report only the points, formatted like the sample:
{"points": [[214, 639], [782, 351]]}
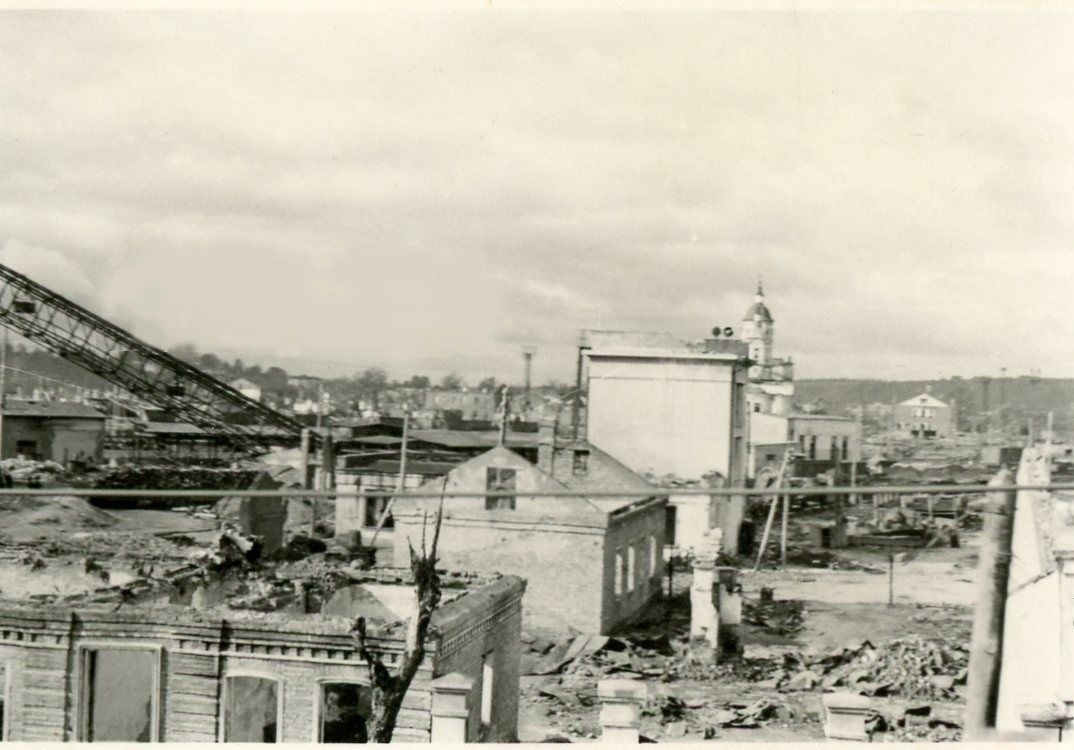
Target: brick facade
{"points": [[563, 546], [41, 653]]}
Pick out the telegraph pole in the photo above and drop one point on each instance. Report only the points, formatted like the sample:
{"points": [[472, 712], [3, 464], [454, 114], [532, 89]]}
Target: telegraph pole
{"points": [[3, 386]]}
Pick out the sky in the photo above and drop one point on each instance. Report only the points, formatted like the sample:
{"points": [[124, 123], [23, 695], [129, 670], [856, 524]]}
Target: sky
{"points": [[430, 191]]}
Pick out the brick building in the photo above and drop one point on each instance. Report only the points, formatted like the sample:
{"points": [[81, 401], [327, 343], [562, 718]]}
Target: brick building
{"points": [[175, 674], [591, 563], [55, 431]]}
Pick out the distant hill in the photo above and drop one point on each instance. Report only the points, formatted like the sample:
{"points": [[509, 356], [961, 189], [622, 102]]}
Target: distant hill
{"points": [[1025, 397]]}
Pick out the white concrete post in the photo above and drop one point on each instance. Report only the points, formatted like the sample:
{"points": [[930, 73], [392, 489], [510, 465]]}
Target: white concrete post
{"points": [[620, 711], [704, 617], [845, 715], [451, 707]]}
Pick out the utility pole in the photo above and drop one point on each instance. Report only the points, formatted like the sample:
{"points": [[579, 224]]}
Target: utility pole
{"points": [[576, 403], [839, 532], [3, 386], [400, 485], [986, 643], [1048, 439], [503, 415], [1002, 401]]}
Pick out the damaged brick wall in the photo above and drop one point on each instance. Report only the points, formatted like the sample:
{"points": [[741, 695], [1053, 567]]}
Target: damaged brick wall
{"points": [[466, 641], [635, 530], [554, 558], [41, 656]]}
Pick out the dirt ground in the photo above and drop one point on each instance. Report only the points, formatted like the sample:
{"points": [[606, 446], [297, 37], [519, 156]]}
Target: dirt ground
{"points": [[839, 608]]}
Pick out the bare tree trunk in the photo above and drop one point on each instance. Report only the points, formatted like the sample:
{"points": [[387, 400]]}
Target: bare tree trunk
{"points": [[389, 689]]}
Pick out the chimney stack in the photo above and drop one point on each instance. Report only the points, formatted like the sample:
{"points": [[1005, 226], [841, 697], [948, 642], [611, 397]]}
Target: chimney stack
{"points": [[546, 444]]}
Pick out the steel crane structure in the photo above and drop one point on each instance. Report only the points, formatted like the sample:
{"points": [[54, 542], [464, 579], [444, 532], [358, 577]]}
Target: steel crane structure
{"points": [[88, 340]]}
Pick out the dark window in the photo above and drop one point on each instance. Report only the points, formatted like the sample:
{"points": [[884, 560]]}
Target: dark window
{"points": [[845, 444], [669, 525], [345, 709], [499, 480], [119, 695], [252, 710], [374, 509], [581, 463], [770, 457], [756, 407], [812, 446]]}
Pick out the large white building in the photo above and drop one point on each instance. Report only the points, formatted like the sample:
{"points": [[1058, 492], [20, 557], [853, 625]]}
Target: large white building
{"points": [[673, 410]]}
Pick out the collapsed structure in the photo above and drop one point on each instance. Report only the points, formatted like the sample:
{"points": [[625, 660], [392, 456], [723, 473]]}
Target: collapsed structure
{"points": [[269, 658]]}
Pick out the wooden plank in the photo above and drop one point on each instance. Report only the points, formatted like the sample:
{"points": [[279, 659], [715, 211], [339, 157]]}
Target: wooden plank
{"points": [[189, 737], [193, 704], [410, 735], [43, 718], [192, 664], [188, 685], [42, 658], [41, 734], [47, 679], [177, 721], [37, 698], [418, 700], [413, 719]]}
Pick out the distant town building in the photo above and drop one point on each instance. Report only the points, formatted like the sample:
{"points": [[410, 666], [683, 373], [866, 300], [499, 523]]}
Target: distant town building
{"points": [[471, 404], [304, 382], [925, 416], [822, 437], [591, 563], [248, 388]]}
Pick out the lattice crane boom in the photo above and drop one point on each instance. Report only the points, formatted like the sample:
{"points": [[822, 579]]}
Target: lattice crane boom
{"points": [[88, 340]]}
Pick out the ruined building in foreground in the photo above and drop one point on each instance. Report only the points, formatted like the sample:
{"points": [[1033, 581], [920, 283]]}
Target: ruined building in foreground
{"points": [[162, 671]]}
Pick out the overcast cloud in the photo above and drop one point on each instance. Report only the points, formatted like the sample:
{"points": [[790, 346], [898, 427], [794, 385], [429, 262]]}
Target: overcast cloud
{"points": [[428, 192]]}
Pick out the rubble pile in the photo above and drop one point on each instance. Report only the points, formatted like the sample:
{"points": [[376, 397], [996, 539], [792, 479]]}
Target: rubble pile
{"points": [[145, 477], [911, 668], [27, 470]]}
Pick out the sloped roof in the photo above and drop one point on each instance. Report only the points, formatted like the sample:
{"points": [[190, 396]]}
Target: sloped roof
{"points": [[604, 473], [923, 399]]}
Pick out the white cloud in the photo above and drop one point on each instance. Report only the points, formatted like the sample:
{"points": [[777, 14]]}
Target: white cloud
{"points": [[432, 190]]}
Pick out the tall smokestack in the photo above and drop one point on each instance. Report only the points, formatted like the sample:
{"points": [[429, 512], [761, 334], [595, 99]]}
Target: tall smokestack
{"points": [[527, 355]]}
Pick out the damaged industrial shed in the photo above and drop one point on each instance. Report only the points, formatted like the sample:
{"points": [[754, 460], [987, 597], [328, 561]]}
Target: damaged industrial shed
{"points": [[179, 665]]}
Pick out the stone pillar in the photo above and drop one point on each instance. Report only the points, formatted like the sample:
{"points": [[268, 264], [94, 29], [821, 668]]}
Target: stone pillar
{"points": [[451, 708], [845, 715], [729, 607], [350, 512], [704, 616], [620, 712]]}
